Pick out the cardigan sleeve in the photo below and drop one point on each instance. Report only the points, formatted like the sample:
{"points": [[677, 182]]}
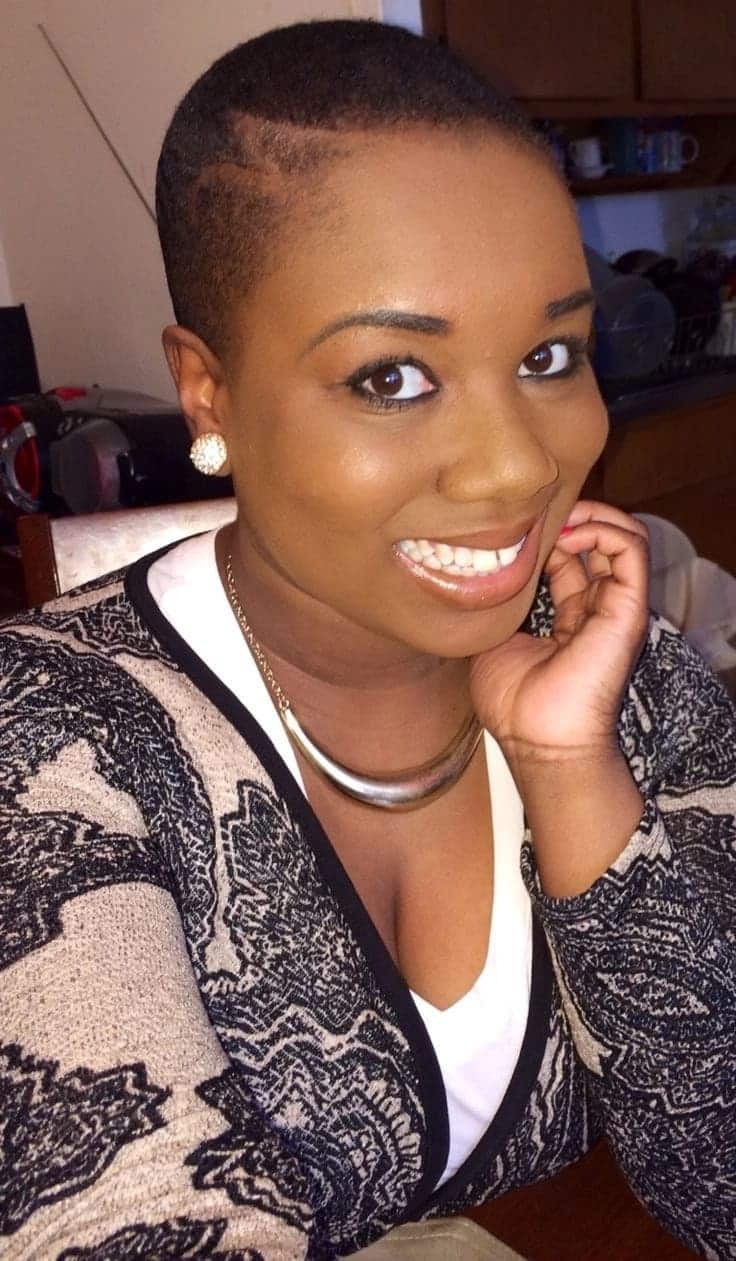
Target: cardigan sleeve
{"points": [[646, 958], [126, 1131]]}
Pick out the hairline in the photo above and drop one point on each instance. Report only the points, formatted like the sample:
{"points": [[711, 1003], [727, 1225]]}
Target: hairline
{"points": [[474, 128]]}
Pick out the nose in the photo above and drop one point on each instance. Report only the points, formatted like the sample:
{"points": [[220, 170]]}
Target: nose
{"points": [[498, 456]]}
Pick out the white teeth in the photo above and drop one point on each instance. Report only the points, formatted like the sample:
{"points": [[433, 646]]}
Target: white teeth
{"points": [[485, 562], [508, 554], [460, 561]]}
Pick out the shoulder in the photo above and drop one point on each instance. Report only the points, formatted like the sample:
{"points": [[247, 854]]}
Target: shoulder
{"points": [[98, 617]]}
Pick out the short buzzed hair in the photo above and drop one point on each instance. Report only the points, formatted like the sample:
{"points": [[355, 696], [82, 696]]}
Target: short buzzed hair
{"points": [[265, 117]]}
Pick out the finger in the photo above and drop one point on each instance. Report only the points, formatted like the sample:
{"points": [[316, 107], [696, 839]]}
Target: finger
{"points": [[567, 575], [572, 589], [598, 565], [586, 510], [614, 552]]}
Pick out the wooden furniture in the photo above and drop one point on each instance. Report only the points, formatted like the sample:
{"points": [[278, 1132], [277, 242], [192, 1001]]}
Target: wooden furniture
{"points": [[585, 1213], [547, 50], [572, 61], [687, 50], [61, 553], [680, 465], [658, 56]]}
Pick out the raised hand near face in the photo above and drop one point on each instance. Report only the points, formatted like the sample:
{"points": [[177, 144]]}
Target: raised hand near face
{"points": [[564, 693], [553, 703]]}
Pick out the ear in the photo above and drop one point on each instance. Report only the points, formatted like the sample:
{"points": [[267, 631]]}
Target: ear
{"points": [[198, 378]]}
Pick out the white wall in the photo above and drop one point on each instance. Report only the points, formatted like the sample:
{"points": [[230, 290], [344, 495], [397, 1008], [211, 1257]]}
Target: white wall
{"points": [[6, 293], [655, 221], [406, 13], [80, 247]]}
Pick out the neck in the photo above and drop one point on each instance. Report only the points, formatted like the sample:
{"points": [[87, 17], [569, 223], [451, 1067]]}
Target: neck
{"points": [[374, 699], [309, 638]]}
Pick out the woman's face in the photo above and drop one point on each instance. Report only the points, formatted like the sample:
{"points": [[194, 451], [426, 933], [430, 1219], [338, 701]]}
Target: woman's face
{"points": [[411, 379]]}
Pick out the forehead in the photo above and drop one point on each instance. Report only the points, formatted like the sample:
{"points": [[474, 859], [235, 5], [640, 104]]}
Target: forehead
{"points": [[431, 220]]}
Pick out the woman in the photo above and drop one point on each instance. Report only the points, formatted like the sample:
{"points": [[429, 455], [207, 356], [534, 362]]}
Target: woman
{"points": [[226, 1035]]}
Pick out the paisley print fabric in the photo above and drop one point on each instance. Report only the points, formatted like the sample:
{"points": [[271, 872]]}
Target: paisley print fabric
{"points": [[180, 1240], [44, 1157], [207, 1052]]}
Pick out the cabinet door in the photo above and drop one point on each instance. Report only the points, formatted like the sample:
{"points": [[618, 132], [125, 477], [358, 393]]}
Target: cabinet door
{"points": [[547, 49], [688, 49]]}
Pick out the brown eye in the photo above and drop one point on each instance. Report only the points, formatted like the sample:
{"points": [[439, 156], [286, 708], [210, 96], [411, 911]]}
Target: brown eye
{"points": [[394, 382], [387, 381], [540, 360], [549, 359]]}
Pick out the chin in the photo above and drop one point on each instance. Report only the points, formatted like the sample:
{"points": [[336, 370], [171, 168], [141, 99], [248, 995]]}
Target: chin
{"points": [[467, 633]]}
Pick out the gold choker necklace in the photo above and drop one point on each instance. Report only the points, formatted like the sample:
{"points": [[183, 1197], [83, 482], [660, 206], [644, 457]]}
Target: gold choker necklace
{"points": [[404, 790]]}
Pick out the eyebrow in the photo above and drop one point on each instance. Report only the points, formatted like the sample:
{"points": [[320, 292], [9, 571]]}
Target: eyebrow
{"points": [[410, 321], [573, 302], [414, 322]]}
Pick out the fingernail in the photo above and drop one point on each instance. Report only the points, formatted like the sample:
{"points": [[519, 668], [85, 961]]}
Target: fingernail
{"points": [[566, 529]]}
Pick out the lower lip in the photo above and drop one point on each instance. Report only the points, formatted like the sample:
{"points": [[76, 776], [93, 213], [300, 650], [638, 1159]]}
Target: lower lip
{"points": [[481, 590]]}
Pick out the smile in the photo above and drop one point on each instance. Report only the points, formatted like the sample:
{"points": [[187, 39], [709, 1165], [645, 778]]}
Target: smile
{"points": [[472, 577], [466, 562]]}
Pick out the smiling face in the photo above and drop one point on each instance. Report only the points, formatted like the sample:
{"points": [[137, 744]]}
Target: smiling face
{"points": [[409, 379]]}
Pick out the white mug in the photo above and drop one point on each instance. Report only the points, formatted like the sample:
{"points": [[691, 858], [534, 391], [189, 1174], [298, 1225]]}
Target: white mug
{"points": [[586, 157], [678, 142], [586, 152]]}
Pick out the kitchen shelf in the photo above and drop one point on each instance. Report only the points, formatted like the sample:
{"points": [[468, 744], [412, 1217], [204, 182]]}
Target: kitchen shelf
{"points": [[638, 183], [715, 165], [624, 107]]}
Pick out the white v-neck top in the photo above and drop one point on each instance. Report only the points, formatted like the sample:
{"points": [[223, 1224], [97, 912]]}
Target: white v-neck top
{"points": [[478, 1039]]}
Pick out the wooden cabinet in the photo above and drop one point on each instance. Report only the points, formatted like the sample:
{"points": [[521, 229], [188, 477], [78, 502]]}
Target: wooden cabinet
{"points": [[680, 465], [578, 62], [547, 48], [688, 49], [628, 57]]}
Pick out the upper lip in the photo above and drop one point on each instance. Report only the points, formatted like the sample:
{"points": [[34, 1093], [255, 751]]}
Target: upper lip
{"points": [[486, 540]]}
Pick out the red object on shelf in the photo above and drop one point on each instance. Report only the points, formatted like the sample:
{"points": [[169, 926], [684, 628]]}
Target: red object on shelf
{"points": [[67, 393]]}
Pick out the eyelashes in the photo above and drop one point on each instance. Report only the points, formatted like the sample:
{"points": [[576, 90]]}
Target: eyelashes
{"points": [[393, 383], [575, 348], [405, 382]]}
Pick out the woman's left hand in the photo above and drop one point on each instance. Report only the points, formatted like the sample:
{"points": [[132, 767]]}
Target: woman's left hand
{"points": [[563, 694]]}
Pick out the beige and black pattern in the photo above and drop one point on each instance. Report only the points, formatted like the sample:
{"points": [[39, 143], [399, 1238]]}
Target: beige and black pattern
{"points": [[189, 979]]}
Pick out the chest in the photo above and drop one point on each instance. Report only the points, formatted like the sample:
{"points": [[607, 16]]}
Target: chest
{"points": [[425, 877]]}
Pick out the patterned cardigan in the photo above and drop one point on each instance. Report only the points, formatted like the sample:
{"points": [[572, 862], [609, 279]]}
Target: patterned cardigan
{"points": [[205, 1049]]}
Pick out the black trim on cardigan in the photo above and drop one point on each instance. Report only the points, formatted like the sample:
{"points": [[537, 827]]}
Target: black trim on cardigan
{"points": [[431, 1085]]}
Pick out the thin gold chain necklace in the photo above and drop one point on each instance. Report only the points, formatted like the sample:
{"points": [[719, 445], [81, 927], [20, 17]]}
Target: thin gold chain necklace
{"points": [[404, 790]]}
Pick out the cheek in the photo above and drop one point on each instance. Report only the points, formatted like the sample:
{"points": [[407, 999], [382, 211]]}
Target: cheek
{"points": [[581, 437], [335, 477]]}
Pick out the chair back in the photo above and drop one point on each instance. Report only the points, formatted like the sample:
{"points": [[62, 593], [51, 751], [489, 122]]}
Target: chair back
{"points": [[59, 553]]}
